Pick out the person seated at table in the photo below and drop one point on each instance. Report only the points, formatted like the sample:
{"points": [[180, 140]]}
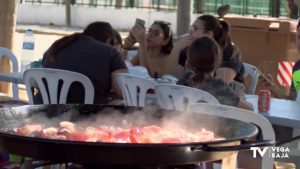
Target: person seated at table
{"points": [[88, 54], [154, 46], [276, 92], [117, 43], [231, 67], [295, 87], [203, 60]]}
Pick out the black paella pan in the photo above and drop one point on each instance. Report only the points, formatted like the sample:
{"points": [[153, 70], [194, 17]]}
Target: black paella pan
{"points": [[234, 133]]}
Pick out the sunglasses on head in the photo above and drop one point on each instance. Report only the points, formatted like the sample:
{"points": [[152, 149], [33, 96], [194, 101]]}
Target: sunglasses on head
{"points": [[160, 22]]}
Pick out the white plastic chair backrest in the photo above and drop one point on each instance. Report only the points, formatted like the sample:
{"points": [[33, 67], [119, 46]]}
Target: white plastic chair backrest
{"points": [[134, 88], [179, 97], [253, 72], [128, 63], [15, 68], [170, 78], [138, 71], [52, 77], [131, 54], [242, 115]]}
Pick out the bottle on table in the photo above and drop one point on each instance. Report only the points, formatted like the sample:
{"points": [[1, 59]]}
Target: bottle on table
{"points": [[27, 50]]}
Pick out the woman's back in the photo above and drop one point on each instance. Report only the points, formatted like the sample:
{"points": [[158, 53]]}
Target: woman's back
{"points": [[92, 58], [216, 87]]}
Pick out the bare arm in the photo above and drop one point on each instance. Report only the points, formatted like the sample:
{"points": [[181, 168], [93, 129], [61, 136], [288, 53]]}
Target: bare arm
{"points": [[135, 60], [129, 41], [114, 83], [268, 82], [279, 94], [139, 34], [245, 105], [226, 74], [172, 67]]}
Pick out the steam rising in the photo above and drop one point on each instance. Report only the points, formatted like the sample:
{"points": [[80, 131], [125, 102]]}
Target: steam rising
{"points": [[127, 118], [117, 118]]}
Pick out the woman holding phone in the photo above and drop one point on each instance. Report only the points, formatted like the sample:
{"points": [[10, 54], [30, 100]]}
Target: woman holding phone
{"points": [[154, 45], [231, 67], [269, 82]]}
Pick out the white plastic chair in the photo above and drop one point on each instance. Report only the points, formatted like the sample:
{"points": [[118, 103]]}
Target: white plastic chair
{"points": [[170, 78], [131, 54], [134, 88], [180, 97], [242, 115], [254, 73], [298, 97], [52, 77], [138, 71], [15, 68]]}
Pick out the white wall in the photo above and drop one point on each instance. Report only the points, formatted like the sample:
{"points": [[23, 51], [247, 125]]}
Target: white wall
{"points": [[38, 14], [122, 19]]}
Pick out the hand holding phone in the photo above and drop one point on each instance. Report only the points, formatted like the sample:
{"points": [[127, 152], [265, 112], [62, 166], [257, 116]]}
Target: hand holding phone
{"points": [[267, 79], [138, 32], [238, 88]]}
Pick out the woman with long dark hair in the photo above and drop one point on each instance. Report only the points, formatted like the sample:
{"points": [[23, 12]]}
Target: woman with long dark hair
{"points": [[154, 46], [91, 54], [203, 59], [231, 67]]}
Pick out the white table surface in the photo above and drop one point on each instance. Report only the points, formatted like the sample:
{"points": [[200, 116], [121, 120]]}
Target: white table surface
{"points": [[12, 77], [282, 112]]}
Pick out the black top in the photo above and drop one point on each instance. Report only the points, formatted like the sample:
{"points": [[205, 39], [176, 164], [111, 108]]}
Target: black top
{"points": [[216, 87], [296, 77], [231, 59], [92, 58]]}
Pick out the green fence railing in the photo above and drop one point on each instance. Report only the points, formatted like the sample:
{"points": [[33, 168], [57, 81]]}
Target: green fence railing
{"points": [[241, 7]]}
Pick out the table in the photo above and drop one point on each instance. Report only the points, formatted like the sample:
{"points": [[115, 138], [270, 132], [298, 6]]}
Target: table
{"points": [[285, 113], [282, 112], [13, 77]]}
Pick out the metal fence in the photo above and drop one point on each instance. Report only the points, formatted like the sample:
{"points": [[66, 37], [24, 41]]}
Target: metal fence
{"points": [[241, 7], [170, 5]]}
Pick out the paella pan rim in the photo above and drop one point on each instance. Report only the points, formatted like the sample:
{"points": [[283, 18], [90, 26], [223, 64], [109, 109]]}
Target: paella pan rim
{"points": [[132, 145]]}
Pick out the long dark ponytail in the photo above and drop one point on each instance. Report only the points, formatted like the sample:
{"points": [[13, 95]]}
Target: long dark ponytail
{"points": [[220, 29]]}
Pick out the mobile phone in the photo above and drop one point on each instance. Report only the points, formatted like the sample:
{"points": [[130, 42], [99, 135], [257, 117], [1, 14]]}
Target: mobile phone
{"points": [[236, 85], [140, 22], [267, 79]]}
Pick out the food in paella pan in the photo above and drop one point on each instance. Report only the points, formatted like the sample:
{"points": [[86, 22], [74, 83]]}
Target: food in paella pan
{"points": [[147, 134]]}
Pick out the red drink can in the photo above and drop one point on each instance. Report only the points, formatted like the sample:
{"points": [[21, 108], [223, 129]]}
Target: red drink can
{"points": [[264, 99]]}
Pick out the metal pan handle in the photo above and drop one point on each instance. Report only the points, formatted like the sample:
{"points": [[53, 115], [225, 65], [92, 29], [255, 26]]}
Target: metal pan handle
{"points": [[287, 141], [245, 145]]}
